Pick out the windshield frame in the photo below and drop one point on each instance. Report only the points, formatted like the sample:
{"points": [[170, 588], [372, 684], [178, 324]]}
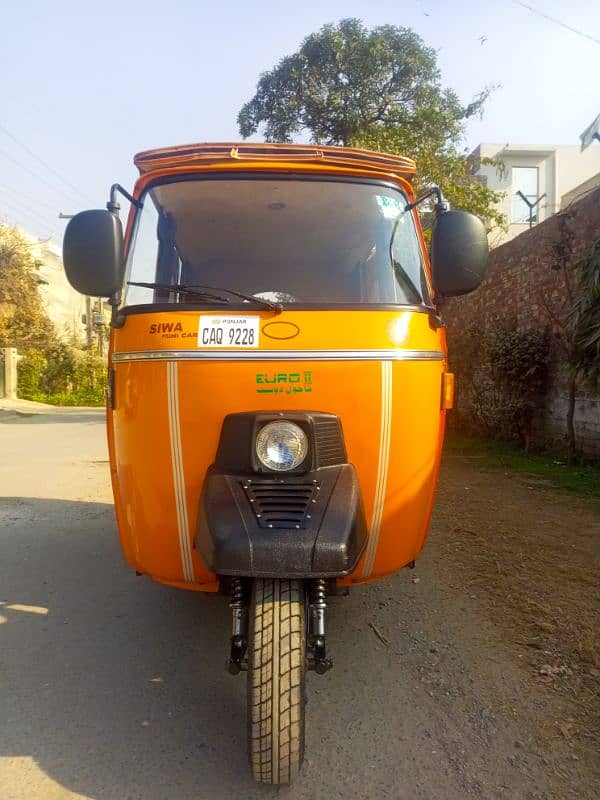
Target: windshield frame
{"points": [[136, 211]]}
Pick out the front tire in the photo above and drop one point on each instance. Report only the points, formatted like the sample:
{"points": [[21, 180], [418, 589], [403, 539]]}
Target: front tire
{"points": [[276, 680]]}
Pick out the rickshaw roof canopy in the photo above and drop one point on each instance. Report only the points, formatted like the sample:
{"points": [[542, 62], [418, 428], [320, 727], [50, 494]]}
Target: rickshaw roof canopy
{"points": [[196, 155]]}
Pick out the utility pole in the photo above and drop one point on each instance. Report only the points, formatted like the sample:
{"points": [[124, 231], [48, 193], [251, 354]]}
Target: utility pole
{"points": [[100, 327], [89, 323]]}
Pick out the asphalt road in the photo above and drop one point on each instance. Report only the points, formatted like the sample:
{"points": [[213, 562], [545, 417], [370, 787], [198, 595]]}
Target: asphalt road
{"points": [[114, 688]]}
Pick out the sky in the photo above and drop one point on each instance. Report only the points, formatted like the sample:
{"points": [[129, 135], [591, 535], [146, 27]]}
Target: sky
{"points": [[87, 85]]}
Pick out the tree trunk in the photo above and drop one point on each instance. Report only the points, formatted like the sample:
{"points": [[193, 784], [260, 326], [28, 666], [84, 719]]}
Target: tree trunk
{"points": [[571, 443]]}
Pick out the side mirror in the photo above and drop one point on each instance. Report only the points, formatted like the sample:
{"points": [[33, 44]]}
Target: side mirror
{"points": [[459, 253], [93, 253]]}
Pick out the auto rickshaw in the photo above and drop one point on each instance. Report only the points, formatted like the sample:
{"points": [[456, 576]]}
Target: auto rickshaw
{"points": [[278, 385]]}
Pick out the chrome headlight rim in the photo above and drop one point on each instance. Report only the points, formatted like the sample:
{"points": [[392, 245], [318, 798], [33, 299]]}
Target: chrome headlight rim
{"points": [[270, 438]]}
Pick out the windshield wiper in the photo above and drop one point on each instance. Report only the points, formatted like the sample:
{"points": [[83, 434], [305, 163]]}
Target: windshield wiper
{"points": [[249, 298], [205, 292], [181, 289], [399, 272], [402, 275]]}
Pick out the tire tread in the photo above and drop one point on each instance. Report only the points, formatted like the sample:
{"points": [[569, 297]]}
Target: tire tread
{"points": [[276, 673]]}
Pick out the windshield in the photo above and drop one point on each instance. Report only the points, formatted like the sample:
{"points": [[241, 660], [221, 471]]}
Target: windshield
{"points": [[288, 241]]}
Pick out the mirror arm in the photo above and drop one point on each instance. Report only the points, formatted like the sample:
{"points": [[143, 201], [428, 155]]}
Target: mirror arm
{"points": [[113, 206], [441, 204]]}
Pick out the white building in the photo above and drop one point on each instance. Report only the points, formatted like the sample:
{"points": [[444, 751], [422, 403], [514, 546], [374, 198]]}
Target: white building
{"points": [[543, 174], [65, 307], [76, 318]]}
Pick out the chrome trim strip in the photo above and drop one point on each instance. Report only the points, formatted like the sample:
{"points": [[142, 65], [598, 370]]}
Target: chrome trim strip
{"points": [[382, 466], [178, 472], [279, 355]]}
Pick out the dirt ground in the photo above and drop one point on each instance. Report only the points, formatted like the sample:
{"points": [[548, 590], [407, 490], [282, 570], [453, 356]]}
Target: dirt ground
{"points": [[528, 559], [473, 677]]}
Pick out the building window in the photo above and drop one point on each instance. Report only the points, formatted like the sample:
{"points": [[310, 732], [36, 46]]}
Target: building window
{"points": [[525, 180]]}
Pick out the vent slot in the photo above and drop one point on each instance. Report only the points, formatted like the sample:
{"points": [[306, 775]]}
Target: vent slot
{"points": [[329, 442], [280, 505]]}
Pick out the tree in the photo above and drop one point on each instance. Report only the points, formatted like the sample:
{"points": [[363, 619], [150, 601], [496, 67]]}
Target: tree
{"points": [[30, 373], [378, 89], [23, 320], [572, 306], [501, 373], [59, 374], [49, 366], [584, 318]]}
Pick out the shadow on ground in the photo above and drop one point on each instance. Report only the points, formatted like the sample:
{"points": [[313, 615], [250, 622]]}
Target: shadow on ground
{"points": [[116, 688], [119, 689]]}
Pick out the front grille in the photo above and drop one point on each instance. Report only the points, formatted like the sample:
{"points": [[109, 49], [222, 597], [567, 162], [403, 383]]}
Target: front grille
{"points": [[329, 441], [281, 505]]}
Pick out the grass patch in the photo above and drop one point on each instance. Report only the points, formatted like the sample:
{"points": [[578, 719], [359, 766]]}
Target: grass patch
{"points": [[79, 397], [550, 471]]}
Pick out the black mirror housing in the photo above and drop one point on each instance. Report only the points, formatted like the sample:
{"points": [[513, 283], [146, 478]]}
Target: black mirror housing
{"points": [[93, 253], [459, 253]]}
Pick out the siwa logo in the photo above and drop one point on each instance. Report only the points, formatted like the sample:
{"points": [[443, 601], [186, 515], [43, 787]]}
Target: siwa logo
{"points": [[165, 327]]}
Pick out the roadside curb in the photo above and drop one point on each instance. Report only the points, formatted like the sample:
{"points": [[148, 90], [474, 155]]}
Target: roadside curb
{"points": [[20, 410]]}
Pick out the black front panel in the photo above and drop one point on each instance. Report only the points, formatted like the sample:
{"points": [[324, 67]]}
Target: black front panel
{"points": [[291, 542], [307, 522]]}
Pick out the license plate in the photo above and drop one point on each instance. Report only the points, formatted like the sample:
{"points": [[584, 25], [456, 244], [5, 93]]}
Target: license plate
{"points": [[228, 331]]}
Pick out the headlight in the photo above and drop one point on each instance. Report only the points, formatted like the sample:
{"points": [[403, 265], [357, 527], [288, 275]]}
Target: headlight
{"points": [[281, 446]]}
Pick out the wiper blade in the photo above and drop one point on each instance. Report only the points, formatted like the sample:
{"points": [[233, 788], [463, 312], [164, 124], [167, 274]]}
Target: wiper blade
{"points": [[248, 297], [205, 292], [181, 289], [405, 278]]}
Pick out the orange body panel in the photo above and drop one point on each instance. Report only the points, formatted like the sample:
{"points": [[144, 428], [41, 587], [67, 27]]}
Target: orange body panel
{"points": [[402, 466], [168, 408]]}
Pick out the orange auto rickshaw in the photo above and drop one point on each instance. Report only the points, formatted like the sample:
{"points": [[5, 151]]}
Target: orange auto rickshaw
{"points": [[278, 385]]}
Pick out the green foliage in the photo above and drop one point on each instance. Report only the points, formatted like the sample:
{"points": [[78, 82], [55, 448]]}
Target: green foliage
{"points": [[63, 376], [517, 360], [90, 372], [61, 367], [584, 318], [344, 80], [549, 470], [30, 372], [77, 397], [501, 378], [89, 380], [23, 319], [439, 161], [51, 371], [380, 89]]}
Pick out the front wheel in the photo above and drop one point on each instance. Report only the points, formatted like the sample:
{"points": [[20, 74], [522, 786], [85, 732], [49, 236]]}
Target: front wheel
{"points": [[276, 678]]}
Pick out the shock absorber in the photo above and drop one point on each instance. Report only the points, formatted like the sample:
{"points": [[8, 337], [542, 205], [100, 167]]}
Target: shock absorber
{"points": [[318, 606], [239, 626]]}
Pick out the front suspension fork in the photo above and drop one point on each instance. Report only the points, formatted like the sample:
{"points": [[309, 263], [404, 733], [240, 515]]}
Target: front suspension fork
{"points": [[317, 606], [316, 594], [239, 626]]}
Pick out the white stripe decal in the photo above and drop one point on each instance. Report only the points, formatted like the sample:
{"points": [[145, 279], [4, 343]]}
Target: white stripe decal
{"points": [[178, 474], [382, 466]]}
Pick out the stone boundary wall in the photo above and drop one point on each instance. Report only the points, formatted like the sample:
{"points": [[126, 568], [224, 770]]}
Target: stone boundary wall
{"points": [[525, 288]]}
